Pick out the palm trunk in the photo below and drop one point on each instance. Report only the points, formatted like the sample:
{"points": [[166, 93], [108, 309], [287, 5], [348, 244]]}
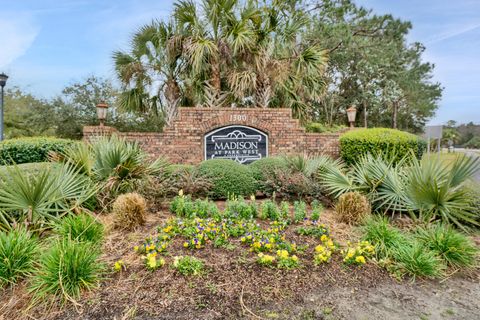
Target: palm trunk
{"points": [[216, 81], [395, 114], [365, 115], [172, 95]]}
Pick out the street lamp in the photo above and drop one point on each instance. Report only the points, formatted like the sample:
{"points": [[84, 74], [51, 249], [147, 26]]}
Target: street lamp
{"points": [[102, 113], [351, 114], [3, 82]]}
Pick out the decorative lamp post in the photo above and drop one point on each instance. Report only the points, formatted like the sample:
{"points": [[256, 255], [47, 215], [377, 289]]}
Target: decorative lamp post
{"points": [[3, 82], [351, 114], [102, 113]]}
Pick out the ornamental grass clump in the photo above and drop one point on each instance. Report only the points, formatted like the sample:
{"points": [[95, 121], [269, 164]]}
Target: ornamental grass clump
{"points": [[18, 249], [129, 211], [83, 228], [385, 237], [66, 269], [352, 208], [415, 260], [455, 248]]}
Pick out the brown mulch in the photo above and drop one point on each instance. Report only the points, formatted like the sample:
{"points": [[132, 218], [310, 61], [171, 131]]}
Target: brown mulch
{"points": [[233, 286]]}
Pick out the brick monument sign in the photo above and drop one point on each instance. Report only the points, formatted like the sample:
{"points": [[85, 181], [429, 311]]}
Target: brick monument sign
{"points": [[240, 134]]}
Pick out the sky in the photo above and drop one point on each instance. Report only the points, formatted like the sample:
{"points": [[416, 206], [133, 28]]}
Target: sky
{"points": [[48, 44]]}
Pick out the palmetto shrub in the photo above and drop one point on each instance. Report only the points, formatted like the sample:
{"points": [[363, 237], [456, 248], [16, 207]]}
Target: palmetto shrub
{"points": [[37, 200], [66, 269], [129, 210], [352, 208], [18, 252], [82, 227], [452, 246], [119, 165], [427, 189]]}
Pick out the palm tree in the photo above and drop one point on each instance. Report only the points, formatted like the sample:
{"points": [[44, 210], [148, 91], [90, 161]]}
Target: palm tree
{"points": [[151, 71], [223, 52]]}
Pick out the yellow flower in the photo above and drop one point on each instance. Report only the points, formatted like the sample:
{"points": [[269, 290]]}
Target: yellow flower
{"points": [[135, 248], [252, 197], [319, 248], [324, 238], [151, 262], [180, 192], [118, 265], [294, 258], [330, 244], [360, 259], [185, 244], [282, 254]]}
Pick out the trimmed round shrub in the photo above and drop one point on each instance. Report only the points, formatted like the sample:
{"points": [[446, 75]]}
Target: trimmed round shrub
{"points": [[27, 150], [262, 169], [129, 211], [394, 144], [352, 208], [228, 178]]}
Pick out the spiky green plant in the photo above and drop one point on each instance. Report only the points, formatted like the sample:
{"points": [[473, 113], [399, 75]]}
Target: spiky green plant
{"points": [[66, 269], [437, 191], [451, 245], [18, 250], [82, 227], [39, 199], [385, 237], [416, 260], [119, 165]]}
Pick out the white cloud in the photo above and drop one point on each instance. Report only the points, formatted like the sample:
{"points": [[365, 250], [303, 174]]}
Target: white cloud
{"points": [[17, 33]]}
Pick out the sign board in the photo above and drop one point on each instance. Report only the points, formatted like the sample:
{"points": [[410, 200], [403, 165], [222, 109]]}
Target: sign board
{"points": [[239, 143], [433, 132]]}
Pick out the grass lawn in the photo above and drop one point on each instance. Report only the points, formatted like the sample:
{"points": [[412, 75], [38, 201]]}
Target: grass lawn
{"points": [[30, 167]]}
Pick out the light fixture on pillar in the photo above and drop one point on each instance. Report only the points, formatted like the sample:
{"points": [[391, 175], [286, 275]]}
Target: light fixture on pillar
{"points": [[351, 114], [102, 113], [3, 82]]}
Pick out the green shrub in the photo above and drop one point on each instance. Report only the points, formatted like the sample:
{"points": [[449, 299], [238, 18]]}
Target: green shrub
{"points": [[352, 208], [269, 210], [299, 211], [184, 206], [317, 209], [264, 168], [66, 269], [323, 128], [18, 251], [228, 178], [380, 233], [188, 265], [416, 260], [392, 143], [239, 208], [83, 228], [452, 246], [26, 150], [473, 143]]}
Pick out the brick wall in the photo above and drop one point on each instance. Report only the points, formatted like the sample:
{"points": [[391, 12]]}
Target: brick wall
{"points": [[182, 141]]}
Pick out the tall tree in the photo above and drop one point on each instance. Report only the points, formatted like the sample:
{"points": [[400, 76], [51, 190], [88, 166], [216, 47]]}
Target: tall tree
{"points": [[224, 52]]}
